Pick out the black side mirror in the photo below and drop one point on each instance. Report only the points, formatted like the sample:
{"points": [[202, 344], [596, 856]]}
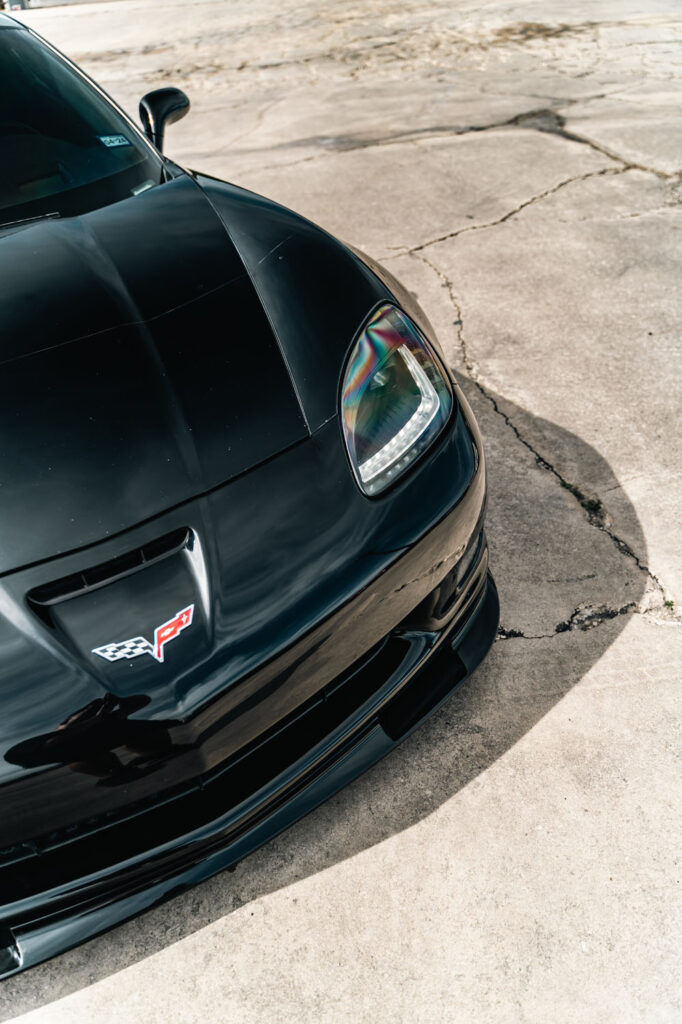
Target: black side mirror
{"points": [[159, 108]]}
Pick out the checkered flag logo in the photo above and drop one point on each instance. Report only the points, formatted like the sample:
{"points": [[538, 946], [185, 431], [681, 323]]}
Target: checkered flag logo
{"points": [[128, 649], [163, 634]]}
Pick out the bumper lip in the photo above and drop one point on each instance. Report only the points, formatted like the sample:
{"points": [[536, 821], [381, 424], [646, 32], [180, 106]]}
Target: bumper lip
{"points": [[91, 907]]}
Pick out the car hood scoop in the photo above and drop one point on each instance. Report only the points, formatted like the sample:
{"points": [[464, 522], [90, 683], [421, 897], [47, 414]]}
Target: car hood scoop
{"points": [[141, 622], [138, 369]]}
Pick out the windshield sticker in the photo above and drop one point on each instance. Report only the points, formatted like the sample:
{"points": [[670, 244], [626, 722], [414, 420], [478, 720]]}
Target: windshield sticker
{"points": [[114, 140]]}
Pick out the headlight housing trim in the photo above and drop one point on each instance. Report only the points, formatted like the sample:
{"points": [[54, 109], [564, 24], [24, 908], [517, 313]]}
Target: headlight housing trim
{"points": [[396, 398]]}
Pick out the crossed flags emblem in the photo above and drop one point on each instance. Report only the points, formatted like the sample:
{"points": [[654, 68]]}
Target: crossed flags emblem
{"points": [[136, 646]]}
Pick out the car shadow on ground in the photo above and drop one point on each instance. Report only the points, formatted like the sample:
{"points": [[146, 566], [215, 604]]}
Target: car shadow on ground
{"points": [[546, 556]]}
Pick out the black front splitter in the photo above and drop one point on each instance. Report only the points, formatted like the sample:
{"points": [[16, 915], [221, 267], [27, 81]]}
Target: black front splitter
{"points": [[92, 906]]}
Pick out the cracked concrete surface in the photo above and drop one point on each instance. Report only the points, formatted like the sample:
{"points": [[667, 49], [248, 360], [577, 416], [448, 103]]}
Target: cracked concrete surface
{"points": [[518, 165]]}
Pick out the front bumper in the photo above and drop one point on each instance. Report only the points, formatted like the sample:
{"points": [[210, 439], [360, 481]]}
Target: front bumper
{"points": [[328, 742]]}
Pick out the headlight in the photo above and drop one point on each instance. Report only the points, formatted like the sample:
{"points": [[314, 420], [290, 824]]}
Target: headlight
{"points": [[395, 399]]}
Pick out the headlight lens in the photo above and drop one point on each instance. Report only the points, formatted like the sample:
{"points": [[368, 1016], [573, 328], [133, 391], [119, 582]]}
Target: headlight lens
{"points": [[395, 399]]}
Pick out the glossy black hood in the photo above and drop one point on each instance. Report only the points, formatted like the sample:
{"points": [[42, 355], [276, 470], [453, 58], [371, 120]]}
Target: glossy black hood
{"points": [[138, 369]]}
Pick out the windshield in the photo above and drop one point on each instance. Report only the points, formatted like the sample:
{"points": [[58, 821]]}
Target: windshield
{"points": [[63, 148]]}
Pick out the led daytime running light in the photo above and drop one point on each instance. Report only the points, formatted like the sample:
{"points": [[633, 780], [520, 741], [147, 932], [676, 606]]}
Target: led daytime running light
{"points": [[413, 429]]}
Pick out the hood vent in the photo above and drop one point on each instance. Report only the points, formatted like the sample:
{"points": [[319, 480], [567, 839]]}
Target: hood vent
{"points": [[107, 572]]}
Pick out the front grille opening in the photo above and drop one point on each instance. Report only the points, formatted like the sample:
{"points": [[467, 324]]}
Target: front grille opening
{"points": [[107, 572]]}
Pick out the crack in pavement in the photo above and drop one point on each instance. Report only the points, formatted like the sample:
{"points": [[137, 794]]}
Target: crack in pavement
{"points": [[517, 209], [542, 119], [591, 505], [537, 119], [584, 617], [550, 121]]}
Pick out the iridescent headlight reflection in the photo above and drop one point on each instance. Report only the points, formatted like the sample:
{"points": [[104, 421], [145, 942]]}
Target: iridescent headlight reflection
{"points": [[395, 399]]}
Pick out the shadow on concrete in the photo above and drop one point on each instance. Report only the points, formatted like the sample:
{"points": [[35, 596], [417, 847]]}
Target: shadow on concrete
{"points": [[520, 682]]}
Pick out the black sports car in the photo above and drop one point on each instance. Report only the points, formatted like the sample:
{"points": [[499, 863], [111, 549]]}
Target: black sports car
{"points": [[241, 547]]}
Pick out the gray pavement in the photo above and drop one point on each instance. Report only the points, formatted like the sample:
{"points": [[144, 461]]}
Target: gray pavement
{"points": [[517, 165]]}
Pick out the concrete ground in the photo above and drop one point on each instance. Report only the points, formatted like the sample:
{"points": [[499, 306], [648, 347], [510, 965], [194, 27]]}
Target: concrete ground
{"points": [[517, 164]]}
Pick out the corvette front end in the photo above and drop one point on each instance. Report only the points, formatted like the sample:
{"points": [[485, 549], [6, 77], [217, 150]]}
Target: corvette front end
{"points": [[242, 550], [312, 672]]}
